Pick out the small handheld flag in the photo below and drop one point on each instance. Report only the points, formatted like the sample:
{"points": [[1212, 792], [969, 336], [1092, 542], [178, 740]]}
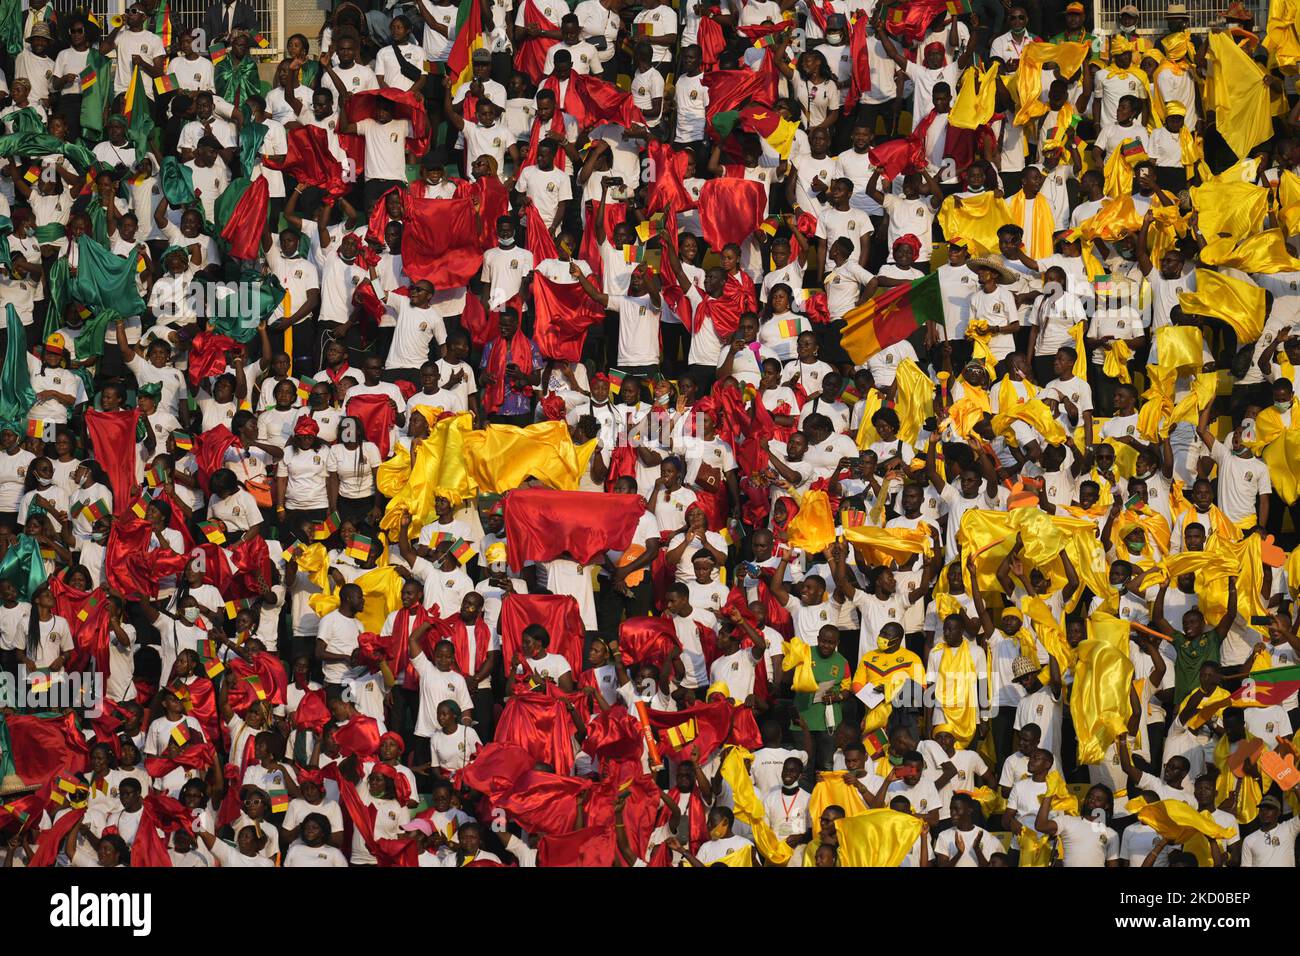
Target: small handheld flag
{"points": [[324, 529], [360, 547], [88, 78], [165, 83], [39, 429], [212, 531], [184, 440]]}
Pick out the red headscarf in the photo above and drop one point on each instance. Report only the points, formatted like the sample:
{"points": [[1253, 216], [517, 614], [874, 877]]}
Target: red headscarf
{"points": [[400, 784]]}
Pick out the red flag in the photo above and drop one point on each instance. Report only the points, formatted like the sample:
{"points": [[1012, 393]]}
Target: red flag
{"points": [[590, 846], [309, 159], [911, 20], [208, 354], [731, 210], [646, 640], [531, 58], [702, 725], [247, 220], [563, 314], [440, 242], [860, 63], [160, 812], [482, 328], [542, 524], [50, 842], [268, 668], [132, 566], [539, 723], [252, 561], [89, 634], [495, 768], [493, 203], [603, 102], [359, 736], [725, 310], [112, 434], [558, 613], [666, 192], [898, 155], [711, 41], [542, 802], [540, 241], [729, 89], [615, 212], [404, 104], [312, 713], [614, 735], [210, 451], [378, 416], [203, 708], [42, 746]]}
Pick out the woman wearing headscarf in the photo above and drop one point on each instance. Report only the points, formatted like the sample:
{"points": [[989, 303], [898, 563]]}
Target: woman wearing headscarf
{"points": [[301, 491]]}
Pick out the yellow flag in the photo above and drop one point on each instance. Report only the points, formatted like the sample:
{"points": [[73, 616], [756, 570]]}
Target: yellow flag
{"points": [[1239, 303], [1282, 456], [877, 838], [1115, 365], [883, 545], [314, 560], [796, 655], [1080, 369], [1109, 629], [914, 399], [976, 219], [871, 403], [831, 791], [1175, 820], [1033, 413], [1115, 220], [1264, 252], [1244, 113], [1179, 346], [500, 457], [749, 809], [973, 106], [1038, 235], [956, 691], [1070, 57], [382, 588], [1099, 700], [1229, 207], [813, 529], [394, 473]]}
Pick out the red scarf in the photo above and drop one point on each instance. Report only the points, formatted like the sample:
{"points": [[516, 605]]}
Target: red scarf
{"points": [[521, 353], [459, 638], [555, 130], [337, 377], [697, 816], [406, 622]]}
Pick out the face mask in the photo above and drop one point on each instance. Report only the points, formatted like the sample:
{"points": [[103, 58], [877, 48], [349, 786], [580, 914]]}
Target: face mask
{"points": [[662, 399], [1133, 548], [506, 243], [191, 614], [790, 791], [44, 482], [719, 831], [882, 643], [1282, 406]]}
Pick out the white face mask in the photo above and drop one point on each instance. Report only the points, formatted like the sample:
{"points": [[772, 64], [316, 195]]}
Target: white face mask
{"points": [[506, 243], [43, 482], [191, 614]]}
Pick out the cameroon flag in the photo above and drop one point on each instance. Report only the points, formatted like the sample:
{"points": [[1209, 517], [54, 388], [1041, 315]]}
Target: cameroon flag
{"points": [[1267, 687], [890, 318], [763, 121], [469, 37], [96, 93], [139, 124]]}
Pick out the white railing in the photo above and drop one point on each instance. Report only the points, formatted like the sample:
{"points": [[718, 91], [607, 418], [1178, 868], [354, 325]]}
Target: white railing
{"points": [[189, 13], [1202, 14]]}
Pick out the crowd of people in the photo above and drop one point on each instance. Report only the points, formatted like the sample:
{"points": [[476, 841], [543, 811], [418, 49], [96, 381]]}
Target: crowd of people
{"points": [[730, 433]]}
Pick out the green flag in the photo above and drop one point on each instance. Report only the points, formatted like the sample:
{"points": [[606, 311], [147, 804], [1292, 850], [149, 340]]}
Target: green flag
{"points": [[139, 124], [42, 144], [22, 565], [177, 183], [96, 84], [16, 394], [11, 26], [232, 319], [105, 281]]}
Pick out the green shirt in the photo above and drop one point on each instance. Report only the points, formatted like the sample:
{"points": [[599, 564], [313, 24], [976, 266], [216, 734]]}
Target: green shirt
{"points": [[833, 668], [1191, 655]]}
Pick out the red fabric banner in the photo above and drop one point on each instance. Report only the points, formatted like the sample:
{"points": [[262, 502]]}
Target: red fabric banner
{"points": [[404, 105], [542, 524], [563, 313], [646, 640], [132, 567], [309, 159], [440, 242], [539, 723], [42, 746], [378, 415], [731, 210], [531, 57], [590, 846], [557, 613], [247, 220], [112, 435]]}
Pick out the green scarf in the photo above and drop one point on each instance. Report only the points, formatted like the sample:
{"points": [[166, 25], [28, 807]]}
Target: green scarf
{"points": [[25, 120], [251, 136], [236, 82]]}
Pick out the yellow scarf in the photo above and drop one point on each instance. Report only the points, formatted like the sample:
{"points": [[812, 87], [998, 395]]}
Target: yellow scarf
{"points": [[1118, 353], [1251, 791], [1038, 236]]}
